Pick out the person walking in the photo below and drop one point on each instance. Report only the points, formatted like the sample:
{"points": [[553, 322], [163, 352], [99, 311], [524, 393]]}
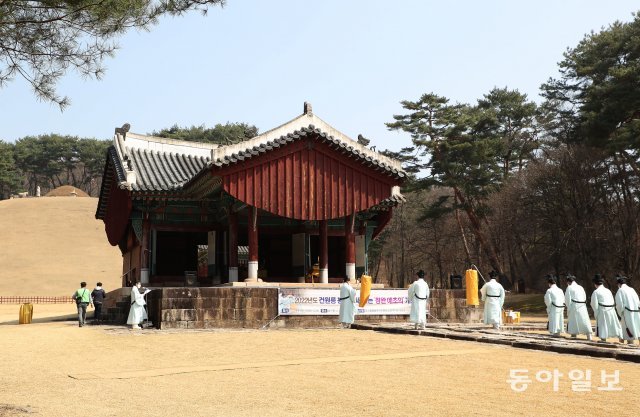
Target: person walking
{"points": [[137, 312], [419, 296], [575, 298], [493, 296], [83, 299], [554, 300], [347, 304], [97, 297], [604, 310], [628, 307]]}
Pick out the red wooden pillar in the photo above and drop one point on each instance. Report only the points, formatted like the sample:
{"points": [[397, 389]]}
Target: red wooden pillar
{"points": [[324, 251], [252, 226], [350, 244], [233, 247]]}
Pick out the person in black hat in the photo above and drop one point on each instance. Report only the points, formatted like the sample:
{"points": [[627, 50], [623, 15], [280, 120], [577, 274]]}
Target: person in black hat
{"points": [[603, 305], [347, 304], [575, 298], [493, 296], [628, 307], [554, 300], [418, 297]]}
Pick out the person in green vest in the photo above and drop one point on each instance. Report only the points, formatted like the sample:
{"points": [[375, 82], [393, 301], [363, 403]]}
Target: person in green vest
{"points": [[83, 299]]}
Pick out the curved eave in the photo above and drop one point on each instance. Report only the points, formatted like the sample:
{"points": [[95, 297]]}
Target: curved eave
{"points": [[113, 175], [389, 203], [261, 148]]}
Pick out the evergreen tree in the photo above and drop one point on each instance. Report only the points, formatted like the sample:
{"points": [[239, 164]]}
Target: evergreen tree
{"points": [[222, 134], [597, 98], [41, 40], [9, 175], [468, 149]]}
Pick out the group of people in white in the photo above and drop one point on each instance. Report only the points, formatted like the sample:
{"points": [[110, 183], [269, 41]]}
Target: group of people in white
{"points": [[418, 295], [617, 317]]}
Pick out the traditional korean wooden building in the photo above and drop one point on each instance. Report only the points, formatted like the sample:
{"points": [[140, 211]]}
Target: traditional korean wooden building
{"points": [[300, 194]]}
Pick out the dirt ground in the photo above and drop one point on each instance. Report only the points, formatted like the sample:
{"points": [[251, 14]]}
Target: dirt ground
{"points": [[48, 245], [49, 367]]}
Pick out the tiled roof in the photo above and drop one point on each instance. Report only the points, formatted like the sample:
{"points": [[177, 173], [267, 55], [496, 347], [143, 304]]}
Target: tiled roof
{"points": [[389, 202], [107, 180], [303, 126], [247, 150], [146, 164], [157, 171], [157, 164]]}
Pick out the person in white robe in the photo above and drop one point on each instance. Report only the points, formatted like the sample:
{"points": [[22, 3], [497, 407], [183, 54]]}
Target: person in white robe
{"points": [[347, 304], [554, 300], [492, 294], [419, 297], [575, 298], [628, 307], [604, 310], [137, 312]]}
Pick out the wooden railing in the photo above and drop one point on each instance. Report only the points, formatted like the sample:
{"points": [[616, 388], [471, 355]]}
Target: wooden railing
{"points": [[35, 300]]}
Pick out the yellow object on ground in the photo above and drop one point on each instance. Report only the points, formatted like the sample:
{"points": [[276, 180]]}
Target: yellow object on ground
{"points": [[365, 289], [510, 317], [471, 281], [26, 314]]}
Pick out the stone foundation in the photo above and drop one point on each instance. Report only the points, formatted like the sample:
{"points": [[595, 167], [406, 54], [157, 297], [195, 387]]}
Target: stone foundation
{"points": [[257, 307]]}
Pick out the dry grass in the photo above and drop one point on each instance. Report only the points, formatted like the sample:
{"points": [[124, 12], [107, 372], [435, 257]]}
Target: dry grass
{"points": [[48, 366], [49, 245], [66, 191]]}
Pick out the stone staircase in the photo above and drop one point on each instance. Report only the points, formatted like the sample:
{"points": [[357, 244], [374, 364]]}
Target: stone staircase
{"points": [[116, 307]]}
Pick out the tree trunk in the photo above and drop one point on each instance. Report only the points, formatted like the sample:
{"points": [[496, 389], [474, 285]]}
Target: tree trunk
{"points": [[462, 233], [486, 245]]}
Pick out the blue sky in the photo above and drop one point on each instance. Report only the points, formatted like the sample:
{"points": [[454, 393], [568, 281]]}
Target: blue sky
{"points": [[354, 60]]}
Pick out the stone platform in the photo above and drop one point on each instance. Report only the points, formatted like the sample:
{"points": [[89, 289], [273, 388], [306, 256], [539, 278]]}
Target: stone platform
{"points": [[230, 307], [251, 305], [515, 336]]}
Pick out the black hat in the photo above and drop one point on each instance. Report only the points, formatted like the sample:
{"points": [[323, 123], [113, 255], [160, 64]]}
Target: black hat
{"points": [[597, 279], [570, 278], [493, 274], [420, 274], [621, 280]]}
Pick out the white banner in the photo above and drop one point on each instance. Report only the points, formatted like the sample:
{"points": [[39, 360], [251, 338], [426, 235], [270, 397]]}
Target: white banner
{"points": [[326, 302]]}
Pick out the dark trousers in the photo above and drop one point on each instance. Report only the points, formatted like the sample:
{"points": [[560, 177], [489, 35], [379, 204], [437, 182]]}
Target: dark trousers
{"points": [[97, 315]]}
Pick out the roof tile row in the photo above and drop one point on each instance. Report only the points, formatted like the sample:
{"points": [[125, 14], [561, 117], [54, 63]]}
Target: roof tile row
{"points": [[300, 134]]}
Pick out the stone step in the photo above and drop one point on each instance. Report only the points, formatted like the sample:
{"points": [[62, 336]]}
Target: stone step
{"points": [[518, 340]]}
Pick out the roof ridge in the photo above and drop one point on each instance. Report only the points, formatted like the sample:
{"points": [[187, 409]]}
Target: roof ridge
{"points": [[301, 124], [170, 141]]}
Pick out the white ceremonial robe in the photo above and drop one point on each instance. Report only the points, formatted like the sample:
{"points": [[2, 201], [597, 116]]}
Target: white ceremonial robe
{"points": [[137, 313], [578, 321], [604, 310], [628, 307], [347, 303], [418, 297], [554, 300], [492, 293]]}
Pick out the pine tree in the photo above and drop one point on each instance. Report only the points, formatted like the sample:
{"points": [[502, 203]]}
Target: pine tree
{"points": [[41, 40]]}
